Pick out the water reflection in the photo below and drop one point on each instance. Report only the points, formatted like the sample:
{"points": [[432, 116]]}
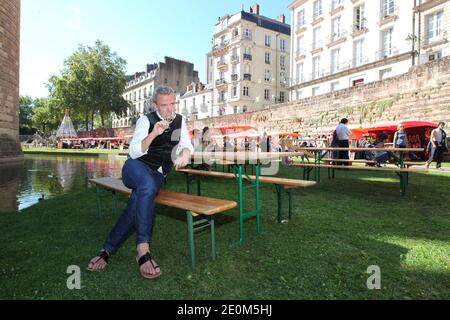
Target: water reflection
{"points": [[46, 176]]}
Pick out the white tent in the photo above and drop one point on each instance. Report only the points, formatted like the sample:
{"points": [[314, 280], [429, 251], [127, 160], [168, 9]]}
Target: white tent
{"points": [[66, 129]]}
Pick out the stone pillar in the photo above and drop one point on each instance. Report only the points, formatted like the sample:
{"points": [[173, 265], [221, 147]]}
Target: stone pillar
{"points": [[9, 80]]}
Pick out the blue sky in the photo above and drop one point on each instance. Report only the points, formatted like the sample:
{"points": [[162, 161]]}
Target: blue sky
{"points": [[140, 31]]}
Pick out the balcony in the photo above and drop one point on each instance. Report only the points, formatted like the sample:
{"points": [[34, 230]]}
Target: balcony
{"points": [[235, 59], [248, 57], [222, 65], [247, 77], [317, 18], [234, 77], [359, 28], [221, 83], [386, 53], [436, 40], [203, 107], [300, 54], [221, 45], [389, 15], [316, 47], [221, 100], [336, 38], [300, 28]]}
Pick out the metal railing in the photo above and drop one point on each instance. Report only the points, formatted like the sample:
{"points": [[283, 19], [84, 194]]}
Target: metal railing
{"points": [[247, 76], [220, 82], [248, 57], [386, 53], [234, 77], [337, 36]]}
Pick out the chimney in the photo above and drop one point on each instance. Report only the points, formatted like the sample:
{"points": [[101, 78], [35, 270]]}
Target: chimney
{"points": [[281, 18], [254, 9]]}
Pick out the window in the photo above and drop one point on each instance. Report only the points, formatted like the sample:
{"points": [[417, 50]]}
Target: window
{"points": [[386, 38], [299, 72], [282, 62], [434, 26], [267, 58], [317, 7], [282, 45], [234, 91], [204, 100], [358, 53], [235, 32], [335, 60], [336, 28], [247, 33], [245, 92], [145, 92], [193, 102], [317, 43], [300, 45], [134, 96], [234, 69], [221, 96], [334, 86], [267, 75], [266, 94], [385, 73], [299, 94], [388, 8], [301, 18], [315, 91], [267, 40], [282, 97], [358, 82], [316, 67], [359, 23], [221, 75], [165, 80], [335, 4]]}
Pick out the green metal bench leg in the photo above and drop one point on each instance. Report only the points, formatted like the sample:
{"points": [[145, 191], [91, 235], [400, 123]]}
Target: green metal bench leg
{"points": [[258, 203], [289, 192], [191, 244], [279, 202], [213, 238]]}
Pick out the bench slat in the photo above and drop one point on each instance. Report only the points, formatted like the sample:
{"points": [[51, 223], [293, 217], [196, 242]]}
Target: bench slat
{"points": [[195, 204], [262, 179], [362, 168]]}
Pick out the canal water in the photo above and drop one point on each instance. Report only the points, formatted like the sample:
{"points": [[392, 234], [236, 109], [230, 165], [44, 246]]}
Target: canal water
{"points": [[47, 176]]}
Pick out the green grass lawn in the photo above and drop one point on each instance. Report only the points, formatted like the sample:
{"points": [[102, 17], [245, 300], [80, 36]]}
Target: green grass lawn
{"points": [[339, 229]]}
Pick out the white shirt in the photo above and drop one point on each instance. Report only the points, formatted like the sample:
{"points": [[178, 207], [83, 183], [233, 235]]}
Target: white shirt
{"points": [[342, 132], [141, 132]]}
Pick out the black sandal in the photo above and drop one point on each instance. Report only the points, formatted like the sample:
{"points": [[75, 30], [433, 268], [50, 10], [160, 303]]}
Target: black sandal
{"points": [[103, 255], [148, 258]]}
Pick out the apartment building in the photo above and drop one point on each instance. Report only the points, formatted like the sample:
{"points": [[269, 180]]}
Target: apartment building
{"points": [[139, 89], [248, 66], [197, 102], [430, 39], [337, 44]]}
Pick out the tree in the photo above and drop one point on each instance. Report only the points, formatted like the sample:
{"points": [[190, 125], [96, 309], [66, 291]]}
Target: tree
{"points": [[46, 116], [91, 83], [25, 114]]}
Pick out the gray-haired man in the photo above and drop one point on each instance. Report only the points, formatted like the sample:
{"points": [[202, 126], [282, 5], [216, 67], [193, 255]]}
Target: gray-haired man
{"points": [[155, 138]]}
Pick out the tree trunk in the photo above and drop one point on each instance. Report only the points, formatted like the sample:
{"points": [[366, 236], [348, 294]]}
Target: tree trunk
{"points": [[102, 119]]}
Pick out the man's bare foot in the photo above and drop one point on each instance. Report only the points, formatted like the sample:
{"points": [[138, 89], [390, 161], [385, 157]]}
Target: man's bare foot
{"points": [[99, 262], [148, 267]]}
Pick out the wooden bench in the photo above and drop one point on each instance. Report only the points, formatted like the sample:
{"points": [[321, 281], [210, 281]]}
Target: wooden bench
{"points": [[403, 173], [280, 184], [407, 163], [203, 208]]}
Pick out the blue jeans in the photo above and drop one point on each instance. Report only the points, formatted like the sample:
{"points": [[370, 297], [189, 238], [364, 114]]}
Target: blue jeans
{"points": [[140, 211]]}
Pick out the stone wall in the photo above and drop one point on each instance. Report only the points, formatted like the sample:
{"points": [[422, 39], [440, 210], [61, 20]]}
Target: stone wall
{"points": [[421, 94], [9, 79]]}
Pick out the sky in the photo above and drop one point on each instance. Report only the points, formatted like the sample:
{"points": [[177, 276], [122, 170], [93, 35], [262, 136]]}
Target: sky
{"points": [[140, 31]]}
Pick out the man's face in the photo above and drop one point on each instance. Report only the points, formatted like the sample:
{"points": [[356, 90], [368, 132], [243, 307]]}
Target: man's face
{"points": [[442, 126], [165, 104]]}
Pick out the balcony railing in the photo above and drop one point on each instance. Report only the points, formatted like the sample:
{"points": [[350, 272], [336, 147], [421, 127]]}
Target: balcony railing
{"points": [[316, 45], [337, 36], [221, 45], [358, 26], [316, 15], [385, 14], [203, 107], [300, 27], [386, 53], [248, 57], [300, 53], [247, 76], [220, 82], [234, 77], [439, 38], [221, 64], [234, 58]]}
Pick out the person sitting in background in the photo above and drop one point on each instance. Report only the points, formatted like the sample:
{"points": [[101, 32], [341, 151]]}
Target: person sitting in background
{"points": [[383, 156], [401, 141]]}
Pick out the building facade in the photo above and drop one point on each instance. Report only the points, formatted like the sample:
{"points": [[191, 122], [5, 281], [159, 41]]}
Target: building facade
{"points": [[197, 102], [432, 30], [338, 44], [248, 66], [139, 89], [9, 80]]}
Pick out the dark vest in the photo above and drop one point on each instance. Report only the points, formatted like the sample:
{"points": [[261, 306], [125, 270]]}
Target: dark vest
{"points": [[159, 153]]}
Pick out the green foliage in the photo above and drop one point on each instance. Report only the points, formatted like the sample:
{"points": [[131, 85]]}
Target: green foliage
{"points": [[91, 84]]}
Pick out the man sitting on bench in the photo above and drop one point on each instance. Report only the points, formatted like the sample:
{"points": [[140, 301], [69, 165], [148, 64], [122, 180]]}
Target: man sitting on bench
{"points": [[155, 136], [384, 156]]}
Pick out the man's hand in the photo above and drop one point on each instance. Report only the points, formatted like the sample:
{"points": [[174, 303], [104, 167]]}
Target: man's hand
{"points": [[159, 128], [183, 159]]}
